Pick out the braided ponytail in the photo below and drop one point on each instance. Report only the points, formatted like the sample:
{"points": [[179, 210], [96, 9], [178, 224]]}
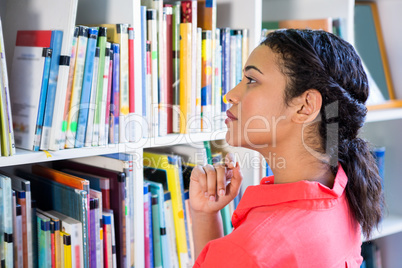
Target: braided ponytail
{"points": [[320, 60]]}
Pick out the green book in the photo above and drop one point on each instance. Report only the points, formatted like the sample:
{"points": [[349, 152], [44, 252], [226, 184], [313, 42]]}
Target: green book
{"points": [[176, 66], [156, 227]]}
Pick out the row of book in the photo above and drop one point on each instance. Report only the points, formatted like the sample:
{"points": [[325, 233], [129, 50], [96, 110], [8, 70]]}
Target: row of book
{"points": [[371, 254], [88, 97], [7, 145], [83, 213]]}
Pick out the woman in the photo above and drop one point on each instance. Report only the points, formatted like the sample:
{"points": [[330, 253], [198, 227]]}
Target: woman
{"points": [[301, 99]]}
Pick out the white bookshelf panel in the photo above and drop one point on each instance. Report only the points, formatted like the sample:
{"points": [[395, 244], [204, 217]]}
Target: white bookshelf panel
{"points": [[384, 115], [391, 224]]}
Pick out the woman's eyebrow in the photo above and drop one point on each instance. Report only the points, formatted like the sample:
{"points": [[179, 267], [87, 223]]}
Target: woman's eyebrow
{"points": [[249, 67]]}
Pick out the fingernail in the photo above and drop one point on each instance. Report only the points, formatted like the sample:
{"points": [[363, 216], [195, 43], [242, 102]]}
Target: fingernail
{"points": [[222, 192], [206, 194], [212, 198]]}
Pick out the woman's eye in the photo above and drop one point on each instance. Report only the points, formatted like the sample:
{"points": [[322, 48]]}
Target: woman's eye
{"points": [[250, 80]]}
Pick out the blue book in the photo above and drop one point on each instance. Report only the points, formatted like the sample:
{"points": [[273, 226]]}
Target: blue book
{"points": [[55, 45], [69, 201], [144, 61], [47, 54], [86, 88], [157, 189], [148, 238], [115, 96], [225, 39]]}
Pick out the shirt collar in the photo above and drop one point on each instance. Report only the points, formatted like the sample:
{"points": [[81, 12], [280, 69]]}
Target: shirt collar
{"points": [[268, 194]]}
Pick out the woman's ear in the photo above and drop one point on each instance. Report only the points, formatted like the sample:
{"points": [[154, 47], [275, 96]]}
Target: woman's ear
{"points": [[307, 106]]}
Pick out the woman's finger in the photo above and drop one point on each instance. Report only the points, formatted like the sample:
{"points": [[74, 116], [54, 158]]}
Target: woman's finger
{"points": [[211, 181], [230, 160], [198, 175], [221, 179]]}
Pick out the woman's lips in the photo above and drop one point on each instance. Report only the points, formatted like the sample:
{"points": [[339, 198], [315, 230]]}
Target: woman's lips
{"points": [[230, 116]]}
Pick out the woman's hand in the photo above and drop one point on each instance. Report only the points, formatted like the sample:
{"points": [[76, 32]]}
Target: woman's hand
{"points": [[213, 187]]}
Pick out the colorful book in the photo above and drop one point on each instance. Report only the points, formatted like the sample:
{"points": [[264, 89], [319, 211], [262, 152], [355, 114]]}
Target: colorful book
{"points": [[189, 224], [176, 20], [168, 11], [225, 40], [44, 244], [97, 196], [144, 69], [206, 90], [66, 249], [131, 86], [162, 81], [73, 57], [109, 96], [156, 228], [217, 90], [107, 82], [186, 104], [107, 239], [55, 45], [84, 105], [6, 220], [77, 87], [18, 245], [166, 170], [148, 249], [148, 98], [98, 123], [198, 93], [92, 102], [55, 237], [114, 123]]}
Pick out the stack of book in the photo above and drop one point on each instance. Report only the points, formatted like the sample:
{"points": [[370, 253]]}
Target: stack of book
{"points": [[86, 97], [7, 145]]}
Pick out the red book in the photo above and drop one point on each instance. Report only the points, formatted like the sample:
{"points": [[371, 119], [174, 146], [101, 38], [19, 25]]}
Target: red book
{"points": [[169, 66], [131, 69]]}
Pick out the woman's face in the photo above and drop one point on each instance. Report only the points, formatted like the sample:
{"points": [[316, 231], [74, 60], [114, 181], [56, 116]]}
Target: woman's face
{"points": [[259, 117]]}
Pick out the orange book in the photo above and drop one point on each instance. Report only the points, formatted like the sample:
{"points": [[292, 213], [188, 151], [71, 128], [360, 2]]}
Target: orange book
{"points": [[61, 177], [315, 24], [185, 76]]}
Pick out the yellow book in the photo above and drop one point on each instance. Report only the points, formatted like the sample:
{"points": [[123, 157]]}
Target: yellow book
{"points": [[118, 33], [170, 165], [66, 238], [185, 76]]}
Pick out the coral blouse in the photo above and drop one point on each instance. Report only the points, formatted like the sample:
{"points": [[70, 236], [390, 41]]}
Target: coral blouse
{"points": [[300, 224]]}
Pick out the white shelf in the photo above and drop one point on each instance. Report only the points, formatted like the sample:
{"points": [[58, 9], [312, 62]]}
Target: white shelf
{"points": [[384, 115], [392, 224], [26, 157]]}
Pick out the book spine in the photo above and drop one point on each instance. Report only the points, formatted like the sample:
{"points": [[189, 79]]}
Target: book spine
{"points": [[198, 92], [22, 202], [144, 89], [57, 244], [152, 37], [189, 224], [4, 78], [185, 76], [92, 101], [206, 91], [77, 87], [218, 82], [107, 241], [176, 18], [148, 97], [93, 233], [99, 88], [108, 98], [122, 30], [225, 37], [5, 141], [168, 10], [162, 54], [115, 97], [47, 53], [156, 232], [67, 250], [131, 87], [107, 79], [84, 105], [238, 48], [245, 46], [52, 245], [69, 88], [170, 231], [18, 248], [147, 247], [56, 42]]}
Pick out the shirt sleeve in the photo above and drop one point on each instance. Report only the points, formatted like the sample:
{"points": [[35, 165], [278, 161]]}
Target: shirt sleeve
{"points": [[221, 253]]}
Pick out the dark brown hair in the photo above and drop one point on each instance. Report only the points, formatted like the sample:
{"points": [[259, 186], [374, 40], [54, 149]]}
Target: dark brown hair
{"points": [[322, 61]]}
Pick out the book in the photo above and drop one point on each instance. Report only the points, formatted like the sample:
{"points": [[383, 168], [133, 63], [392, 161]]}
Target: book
{"points": [[170, 231], [217, 91], [99, 106], [198, 93], [18, 246], [55, 45], [77, 87], [144, 69], [107, 84], [84, 105], [189, 224], [66, 249], [76, 207], [152, 36], [97, 196], [72, 238], [168, 11], [206, 90], [31, 49], [148, 98], [186, 104], [23, 190], [113, 238], [5, 96], [189, 15], [156, 229], [107, 240], [55, 237], [73, 57], [131, 87], [148, 248], [117, 204], [114, 123], [162, 58], [44, 244], [92, 102], [92, 217], [176, 20], [166, 170], [6, 220], [225, 40]]}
